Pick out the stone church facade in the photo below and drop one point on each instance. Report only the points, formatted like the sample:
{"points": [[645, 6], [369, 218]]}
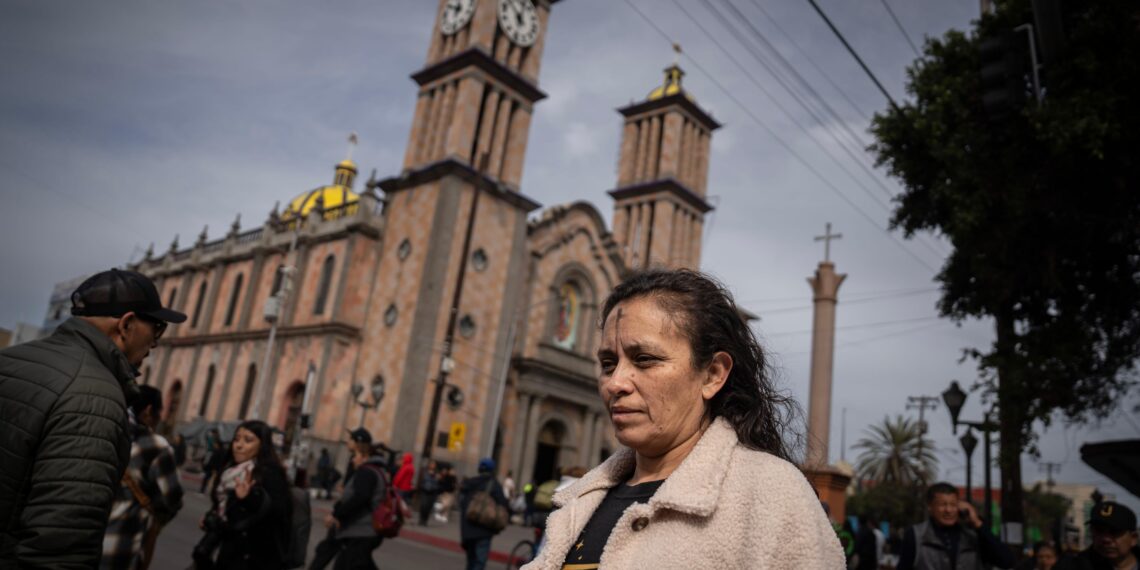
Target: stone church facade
{"points": [[369, 277]]}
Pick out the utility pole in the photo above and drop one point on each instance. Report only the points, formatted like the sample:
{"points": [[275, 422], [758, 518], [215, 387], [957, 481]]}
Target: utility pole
{"points": [[922, 403], [274, 307]]}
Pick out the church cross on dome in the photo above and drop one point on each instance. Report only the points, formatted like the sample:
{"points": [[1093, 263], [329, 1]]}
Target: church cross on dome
{"points": [[353, 140]]}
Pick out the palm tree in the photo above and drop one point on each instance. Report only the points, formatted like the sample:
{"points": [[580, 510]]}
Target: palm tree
{"points": [[896, 452]]}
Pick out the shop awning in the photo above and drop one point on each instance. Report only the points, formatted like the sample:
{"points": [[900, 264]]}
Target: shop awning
{"points": [[1117, 460]]}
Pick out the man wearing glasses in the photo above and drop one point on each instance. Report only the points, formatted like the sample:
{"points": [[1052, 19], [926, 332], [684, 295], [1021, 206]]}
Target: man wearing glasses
{"points": [[64, 424]]}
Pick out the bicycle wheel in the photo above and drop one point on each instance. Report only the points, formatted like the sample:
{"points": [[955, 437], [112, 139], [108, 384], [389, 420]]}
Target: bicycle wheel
{"points": [[522, 553]]}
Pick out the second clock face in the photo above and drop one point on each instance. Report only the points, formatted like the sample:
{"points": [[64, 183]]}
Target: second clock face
{"points": [[456, 14], [519, 21]]}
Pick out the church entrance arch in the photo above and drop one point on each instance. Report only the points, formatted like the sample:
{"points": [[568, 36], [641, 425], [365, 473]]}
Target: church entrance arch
{"points": [[173, 401], [546, 458], [294, 398]]}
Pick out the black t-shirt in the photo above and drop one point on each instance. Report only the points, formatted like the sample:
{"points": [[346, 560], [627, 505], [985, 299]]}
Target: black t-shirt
{"points": [[586, 553]]}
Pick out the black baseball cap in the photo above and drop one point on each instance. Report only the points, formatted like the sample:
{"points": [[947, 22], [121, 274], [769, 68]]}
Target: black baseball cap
{"points": [[1113, 516], [360, 435], [117, 292]]}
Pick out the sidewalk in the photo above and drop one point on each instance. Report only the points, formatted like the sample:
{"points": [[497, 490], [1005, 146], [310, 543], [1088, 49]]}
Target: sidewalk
{"points": [[436, 534]]}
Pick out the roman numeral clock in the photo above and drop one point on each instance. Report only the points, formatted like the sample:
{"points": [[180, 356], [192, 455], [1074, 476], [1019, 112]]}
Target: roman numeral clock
{"points": [[519, 21]]}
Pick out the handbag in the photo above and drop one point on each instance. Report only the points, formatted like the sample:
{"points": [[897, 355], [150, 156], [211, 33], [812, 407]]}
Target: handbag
{"points": [[485, 511]]}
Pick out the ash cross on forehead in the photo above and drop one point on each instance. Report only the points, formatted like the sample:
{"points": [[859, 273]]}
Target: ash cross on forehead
{"points": [[826, 239]]}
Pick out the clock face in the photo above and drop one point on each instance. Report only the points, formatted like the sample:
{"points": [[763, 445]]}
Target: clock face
{"points": [[519, 21], [456, 14]]}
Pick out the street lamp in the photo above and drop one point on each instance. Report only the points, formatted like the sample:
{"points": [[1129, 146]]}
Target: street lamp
{"points": [[377, 391], [955, 398], [969, 442]]}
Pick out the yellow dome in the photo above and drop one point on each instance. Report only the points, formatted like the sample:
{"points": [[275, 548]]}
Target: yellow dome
{"points": [[672, 84], [330, 197], [346, 163]]}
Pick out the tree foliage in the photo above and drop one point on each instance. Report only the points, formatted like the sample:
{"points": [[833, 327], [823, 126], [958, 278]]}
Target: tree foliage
{"points": [[896, 453], [1042, 209], [894, 504]]}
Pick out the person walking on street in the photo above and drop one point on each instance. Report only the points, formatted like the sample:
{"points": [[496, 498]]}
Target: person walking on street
{"points": [[179, 444], [215, 458], [66, 441], [250, 521], [509, 486], [866, 547], [405, 478], [351, 538], [150, 494], [952, 537], [475, 538], [325, 479], [447, 487], [429, 490], [1114, 541]]}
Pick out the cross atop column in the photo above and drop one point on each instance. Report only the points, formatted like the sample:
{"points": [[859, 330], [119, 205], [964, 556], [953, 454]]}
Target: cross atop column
{"points": [[826, 239]]}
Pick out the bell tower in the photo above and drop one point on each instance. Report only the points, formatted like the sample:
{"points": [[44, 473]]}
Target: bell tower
{"points": [[455, 237], [659, 202]]}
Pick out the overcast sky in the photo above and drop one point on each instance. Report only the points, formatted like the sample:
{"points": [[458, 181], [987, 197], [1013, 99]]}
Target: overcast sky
{"points": [[130, 123]]}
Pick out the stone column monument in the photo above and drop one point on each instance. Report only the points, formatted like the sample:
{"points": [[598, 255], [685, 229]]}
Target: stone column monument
{"points": [[825, 290], [829, 482]]}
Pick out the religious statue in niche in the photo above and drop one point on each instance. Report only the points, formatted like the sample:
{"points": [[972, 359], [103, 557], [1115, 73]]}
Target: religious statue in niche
{"points": [[569, 307]]}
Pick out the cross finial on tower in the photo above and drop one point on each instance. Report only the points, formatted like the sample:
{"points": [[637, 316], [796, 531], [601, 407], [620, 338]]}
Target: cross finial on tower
{"points": [[353, 140], [826, 239], [676, 54]]}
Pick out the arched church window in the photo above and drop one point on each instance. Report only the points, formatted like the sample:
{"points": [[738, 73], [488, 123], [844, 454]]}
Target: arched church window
{"points": [[278, 276], [325, 283], [247, 395], [206, 391], [198, 304], [404, 249], [173, 296], [235, 295], [569, 315], [390, 315]]}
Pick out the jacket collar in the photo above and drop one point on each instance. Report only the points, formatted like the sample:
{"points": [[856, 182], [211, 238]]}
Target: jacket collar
{"points": [[104, 350], [693, 488]]}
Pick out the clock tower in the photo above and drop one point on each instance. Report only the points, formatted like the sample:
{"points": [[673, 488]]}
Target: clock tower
{"points": [[454, 244]]}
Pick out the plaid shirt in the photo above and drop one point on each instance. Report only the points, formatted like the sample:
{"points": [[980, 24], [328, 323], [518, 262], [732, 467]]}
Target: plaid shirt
{"points": [[152, 466]]}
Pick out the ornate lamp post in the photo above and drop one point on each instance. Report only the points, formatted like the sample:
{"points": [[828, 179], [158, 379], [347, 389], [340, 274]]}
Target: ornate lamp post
{"points": [[955, 398], [377, 391], [969, 442]]}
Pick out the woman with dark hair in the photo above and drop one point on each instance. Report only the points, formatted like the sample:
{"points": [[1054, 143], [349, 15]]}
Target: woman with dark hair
{"points": [[249, 522], [705, 479]]}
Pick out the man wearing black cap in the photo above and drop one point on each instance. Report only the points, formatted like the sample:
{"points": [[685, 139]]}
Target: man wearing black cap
{"points": [[1114, 541], [63, 403]]}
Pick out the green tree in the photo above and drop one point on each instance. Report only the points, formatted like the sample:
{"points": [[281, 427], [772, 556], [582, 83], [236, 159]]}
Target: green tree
{"points": [[1043, 511], [1043, 212], [896, 453]]}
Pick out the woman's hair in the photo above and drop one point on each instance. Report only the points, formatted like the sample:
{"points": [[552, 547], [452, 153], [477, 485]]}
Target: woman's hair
{"points": [[703, 310], [266, 459]]}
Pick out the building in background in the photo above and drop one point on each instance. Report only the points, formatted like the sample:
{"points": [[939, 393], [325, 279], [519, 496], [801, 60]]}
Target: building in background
{"points": [[376, 267]]}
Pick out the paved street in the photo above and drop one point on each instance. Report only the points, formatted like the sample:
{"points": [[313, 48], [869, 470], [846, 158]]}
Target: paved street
{"points": [[417, 548]]}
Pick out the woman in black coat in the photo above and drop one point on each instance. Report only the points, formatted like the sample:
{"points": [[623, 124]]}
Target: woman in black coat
{"points": [[249, 523]]}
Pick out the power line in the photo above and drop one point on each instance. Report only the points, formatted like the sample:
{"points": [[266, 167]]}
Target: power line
{"points": [[851, 50], [902, 30], [857, 327], [827, 77], [779, 140], [847, 302], [799, 98], [865, 294]]}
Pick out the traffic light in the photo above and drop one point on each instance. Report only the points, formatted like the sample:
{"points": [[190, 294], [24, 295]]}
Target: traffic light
{"points": [[1002, 74]]}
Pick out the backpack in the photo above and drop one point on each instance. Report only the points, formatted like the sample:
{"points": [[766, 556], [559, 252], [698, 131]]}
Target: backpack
{"points": [[485, 511], [298, 529], [544, 497], [389, 515]]}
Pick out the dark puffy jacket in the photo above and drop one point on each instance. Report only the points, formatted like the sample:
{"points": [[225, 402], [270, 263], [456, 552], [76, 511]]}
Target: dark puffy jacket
{"points": [[63, 444]]}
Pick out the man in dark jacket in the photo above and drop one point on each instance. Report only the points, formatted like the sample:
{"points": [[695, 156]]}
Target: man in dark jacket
{"points": [[65, 443], [952, 538], [351, 538], [1114, 541], [476, 539]]}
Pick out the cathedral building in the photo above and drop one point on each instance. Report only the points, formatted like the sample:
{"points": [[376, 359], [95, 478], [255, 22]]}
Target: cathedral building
{"points": [[473, 314]]}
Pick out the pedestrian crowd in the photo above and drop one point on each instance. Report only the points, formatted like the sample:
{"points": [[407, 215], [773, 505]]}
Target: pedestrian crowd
{"points": [[704, 478]]}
